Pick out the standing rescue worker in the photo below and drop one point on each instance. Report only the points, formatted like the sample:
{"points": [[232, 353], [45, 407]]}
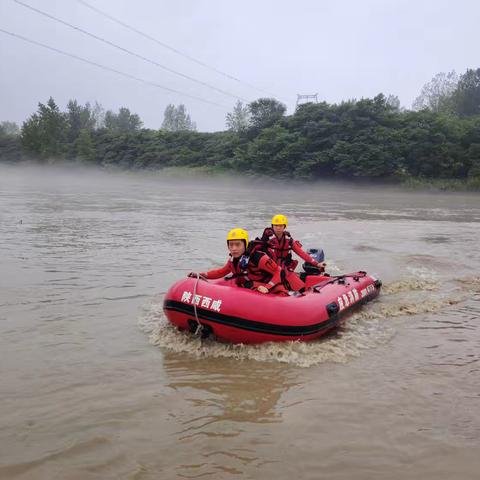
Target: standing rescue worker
{"points": [[282, 244], [251, 268]]}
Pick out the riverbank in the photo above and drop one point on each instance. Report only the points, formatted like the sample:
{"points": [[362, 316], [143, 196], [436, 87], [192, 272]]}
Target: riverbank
{"points": [[471, 185], [363, 142], [415, 184], [442, 185]]}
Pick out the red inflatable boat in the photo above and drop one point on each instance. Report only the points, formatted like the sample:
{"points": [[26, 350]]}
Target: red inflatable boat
{"points": [[239, 315]]}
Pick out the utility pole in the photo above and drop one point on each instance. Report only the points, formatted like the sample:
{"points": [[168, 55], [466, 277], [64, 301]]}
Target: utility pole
{"points": [[301, 99]]}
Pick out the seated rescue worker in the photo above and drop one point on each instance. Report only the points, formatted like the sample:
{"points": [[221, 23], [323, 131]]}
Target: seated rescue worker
{"points": [[251, 268], [282, 245]]}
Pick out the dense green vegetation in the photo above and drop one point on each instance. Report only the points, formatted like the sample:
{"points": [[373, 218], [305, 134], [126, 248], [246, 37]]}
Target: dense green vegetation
{"points": [[367, 138]]}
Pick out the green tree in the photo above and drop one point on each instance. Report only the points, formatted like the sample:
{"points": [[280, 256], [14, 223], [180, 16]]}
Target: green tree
{"points": [[84, 146], [237, 121], [122, 122], [79, 117], [466, 97], [98, 115], [265, 112], [275, 151], [176, 119], [437, 93], [31, 135], [9, 129], [10, 146], [169, 118], [369, 138], [45, 132], [393, 102]]}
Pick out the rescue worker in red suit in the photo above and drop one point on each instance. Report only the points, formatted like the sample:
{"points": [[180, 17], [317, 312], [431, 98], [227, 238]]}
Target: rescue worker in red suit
{"points": [[282, 245], [250, 268]]}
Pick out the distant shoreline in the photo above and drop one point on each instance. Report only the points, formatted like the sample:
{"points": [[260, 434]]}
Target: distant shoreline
{"points": [[211, 171], [358, 142]]}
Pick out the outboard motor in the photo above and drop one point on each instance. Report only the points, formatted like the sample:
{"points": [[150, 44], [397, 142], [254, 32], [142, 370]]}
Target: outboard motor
{"points": [[309, 269]]}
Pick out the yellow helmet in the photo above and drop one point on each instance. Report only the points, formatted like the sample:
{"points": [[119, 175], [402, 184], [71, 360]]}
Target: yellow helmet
{"points": [[238, 234], [280, 220]]}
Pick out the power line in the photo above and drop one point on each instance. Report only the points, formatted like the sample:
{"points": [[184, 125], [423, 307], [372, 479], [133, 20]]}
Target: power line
{"points": [[109, 69], [172, 49], [137, 55]]}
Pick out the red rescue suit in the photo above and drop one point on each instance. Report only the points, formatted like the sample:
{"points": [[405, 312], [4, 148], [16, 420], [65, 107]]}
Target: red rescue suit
{"points": [[282, 254], [252, 271]]}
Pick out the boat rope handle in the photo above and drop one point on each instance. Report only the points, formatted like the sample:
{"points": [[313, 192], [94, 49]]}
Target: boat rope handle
{"points": [[199, 325], [339, 279]]}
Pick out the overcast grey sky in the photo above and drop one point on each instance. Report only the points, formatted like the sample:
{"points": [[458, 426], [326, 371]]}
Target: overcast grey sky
{"points": [[339, 49]]}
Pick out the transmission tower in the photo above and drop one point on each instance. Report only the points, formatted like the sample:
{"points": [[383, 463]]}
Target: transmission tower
{"points": [[301, 99]]}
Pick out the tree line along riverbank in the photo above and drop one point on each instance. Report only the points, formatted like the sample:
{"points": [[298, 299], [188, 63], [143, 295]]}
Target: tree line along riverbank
{"points": [[437, 145]]}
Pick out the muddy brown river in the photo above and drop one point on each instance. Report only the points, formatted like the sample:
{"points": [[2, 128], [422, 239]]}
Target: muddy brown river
{"points": [[96, 385]]}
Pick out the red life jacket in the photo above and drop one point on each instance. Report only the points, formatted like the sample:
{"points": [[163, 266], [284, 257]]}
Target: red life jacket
{"points": [[281, 248], [260, 245], [239, 272], [247, 267], [254, 272]]}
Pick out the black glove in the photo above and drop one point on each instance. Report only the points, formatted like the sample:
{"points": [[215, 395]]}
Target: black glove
{"points": [[192, 275]]}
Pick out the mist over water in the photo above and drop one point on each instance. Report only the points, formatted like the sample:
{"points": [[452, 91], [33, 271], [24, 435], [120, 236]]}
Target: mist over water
{"points": [[96, 384]]}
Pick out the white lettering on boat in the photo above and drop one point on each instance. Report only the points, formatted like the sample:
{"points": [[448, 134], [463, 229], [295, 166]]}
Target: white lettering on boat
{"points": [[201, 301], [349, 298], [216, 304], [196, 299], [367, 290], [186, 297], [206, 302]]}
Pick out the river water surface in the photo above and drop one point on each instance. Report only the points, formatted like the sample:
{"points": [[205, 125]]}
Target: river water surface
{"points": [[95, 384]]}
